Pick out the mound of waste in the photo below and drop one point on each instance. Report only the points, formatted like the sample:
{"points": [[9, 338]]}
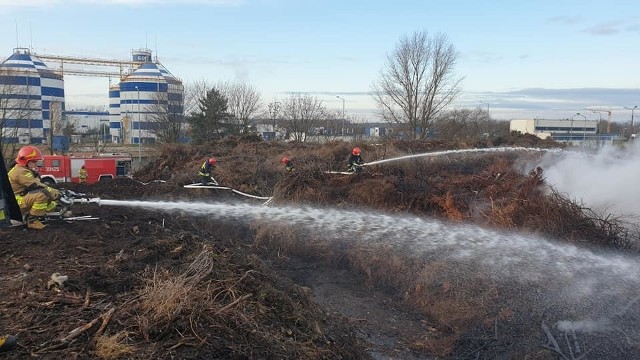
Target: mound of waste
{"points": [[490, 260]]}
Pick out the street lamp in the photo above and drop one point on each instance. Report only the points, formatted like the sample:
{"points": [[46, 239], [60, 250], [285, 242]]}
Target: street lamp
{"points": [[599, 121], [632, 110], [342, 114], [486, 130], [486, 103], [584, 129], [139, 132]]}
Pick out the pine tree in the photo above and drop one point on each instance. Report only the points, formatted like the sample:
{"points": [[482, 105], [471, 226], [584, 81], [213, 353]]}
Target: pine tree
{"points": [[212, 120]]}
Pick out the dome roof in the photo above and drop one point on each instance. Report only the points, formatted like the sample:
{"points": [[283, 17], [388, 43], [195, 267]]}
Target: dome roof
{"points": [[23, 61], [151, 71]]}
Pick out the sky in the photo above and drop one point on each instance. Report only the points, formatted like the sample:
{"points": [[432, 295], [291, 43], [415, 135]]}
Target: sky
{"points": [[518, 59]]}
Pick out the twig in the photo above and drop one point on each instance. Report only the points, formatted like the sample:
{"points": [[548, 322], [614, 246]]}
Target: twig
{"points": [[75, 333], [87, 298], [553, 341], [242, 277], [79, 331], [105, 321], [233, 303]]}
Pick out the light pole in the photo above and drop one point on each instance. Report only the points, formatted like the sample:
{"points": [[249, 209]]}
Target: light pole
{"points": [[139, 132], [486, 130], [584, 129], [599, 121], [343, 101], [632, 110], [486, 103]]}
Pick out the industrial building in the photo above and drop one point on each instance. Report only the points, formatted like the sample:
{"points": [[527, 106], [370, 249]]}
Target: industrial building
{"points": [[144, 95], [576, 131], [32, 96]]}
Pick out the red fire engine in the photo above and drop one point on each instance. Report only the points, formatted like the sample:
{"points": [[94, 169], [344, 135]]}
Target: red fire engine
{"points": [[64, 168]]}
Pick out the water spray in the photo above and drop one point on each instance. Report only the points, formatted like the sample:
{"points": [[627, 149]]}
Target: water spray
{"points": [[462, 151]]}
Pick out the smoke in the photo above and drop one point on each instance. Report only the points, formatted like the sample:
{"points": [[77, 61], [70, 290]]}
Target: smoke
{"points": [[605, 181], [584, 325]]}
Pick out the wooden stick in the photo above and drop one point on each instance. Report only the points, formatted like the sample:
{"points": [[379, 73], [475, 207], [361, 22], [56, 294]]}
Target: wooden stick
{"points": [[105, 321], [233, 303], [86, 298]]}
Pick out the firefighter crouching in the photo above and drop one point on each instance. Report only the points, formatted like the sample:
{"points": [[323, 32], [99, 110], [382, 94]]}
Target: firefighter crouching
{"points": [[34, 198]]}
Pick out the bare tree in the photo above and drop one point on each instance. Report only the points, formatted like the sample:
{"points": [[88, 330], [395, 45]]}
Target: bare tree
{"points": [[302, 114], [244, 101], [57, 122], [417, 82], [458, 124], [95, 139], [166, 119], [193, 92], [15, 110]]}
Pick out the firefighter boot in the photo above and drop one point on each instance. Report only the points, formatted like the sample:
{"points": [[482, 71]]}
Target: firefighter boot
{"points": [[33, 222], [8, 342]]}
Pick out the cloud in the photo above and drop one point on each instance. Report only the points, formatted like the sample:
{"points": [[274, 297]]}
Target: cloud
{"points": [[604, 29], [569, 100]]}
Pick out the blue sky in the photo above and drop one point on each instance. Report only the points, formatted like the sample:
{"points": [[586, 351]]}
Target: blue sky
{"points": [[521, 59]]}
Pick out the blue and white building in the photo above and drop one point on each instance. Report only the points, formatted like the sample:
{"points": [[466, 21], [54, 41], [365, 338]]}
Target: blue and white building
{"points": [[31, 95], [150, 91]]}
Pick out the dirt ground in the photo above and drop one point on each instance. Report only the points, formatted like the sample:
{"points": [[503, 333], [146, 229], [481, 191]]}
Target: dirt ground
{"points": [[146, 284]]}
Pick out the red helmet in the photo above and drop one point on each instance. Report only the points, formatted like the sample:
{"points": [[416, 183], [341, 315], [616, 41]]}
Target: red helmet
{"points": [[355, 151], [213, 161], [285, 160], [28, 153]]}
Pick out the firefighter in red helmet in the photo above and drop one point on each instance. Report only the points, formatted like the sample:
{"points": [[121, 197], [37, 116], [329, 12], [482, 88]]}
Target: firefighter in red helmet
{"points": [[35, 198], [206, 178], [288, 164], [355, 161]]}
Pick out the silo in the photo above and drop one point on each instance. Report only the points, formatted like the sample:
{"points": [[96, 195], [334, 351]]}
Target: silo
{"points": [[115, 120], [31, 97], [150, 95]]}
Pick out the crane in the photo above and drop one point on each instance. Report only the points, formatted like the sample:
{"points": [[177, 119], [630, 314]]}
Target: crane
{"points": [[600, 111]]}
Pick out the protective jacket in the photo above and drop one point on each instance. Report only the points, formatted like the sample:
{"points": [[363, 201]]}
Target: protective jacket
{"points": [[355, 161], [289, 166], [205, 169], [82, 175], [33, 197], [205, 173]]}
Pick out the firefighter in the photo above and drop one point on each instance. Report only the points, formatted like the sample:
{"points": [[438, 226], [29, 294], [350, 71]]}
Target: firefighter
{"points": [[82, 174], [8, 342], [205, 172], [34, 198], [355, 161], [288, 164]]}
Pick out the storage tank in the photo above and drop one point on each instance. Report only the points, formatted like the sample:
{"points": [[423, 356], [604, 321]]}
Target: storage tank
{"points": [[149, 95], [115, 120], [32, 95]]}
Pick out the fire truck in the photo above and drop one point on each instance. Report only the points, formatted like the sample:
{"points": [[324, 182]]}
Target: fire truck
{"points": [[64, 168]]}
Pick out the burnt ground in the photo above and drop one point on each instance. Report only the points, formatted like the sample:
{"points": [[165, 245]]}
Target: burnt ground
{"points": [[148, 284]]}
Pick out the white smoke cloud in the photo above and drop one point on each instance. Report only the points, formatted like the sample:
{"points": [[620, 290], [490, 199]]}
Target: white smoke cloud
{"points": [[588, 326], [605, 181]]}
